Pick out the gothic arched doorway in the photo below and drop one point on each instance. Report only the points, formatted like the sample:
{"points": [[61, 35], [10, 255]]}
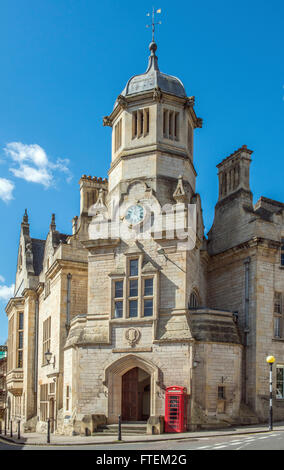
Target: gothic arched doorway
{"points": [[113, 381], [135, 396]]}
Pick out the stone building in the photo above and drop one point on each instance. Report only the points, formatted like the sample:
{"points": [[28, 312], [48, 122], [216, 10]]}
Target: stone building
{"points": [[105, 319], [3, 392]]}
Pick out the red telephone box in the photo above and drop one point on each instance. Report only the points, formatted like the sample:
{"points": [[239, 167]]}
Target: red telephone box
{"points": [[175, 414]]}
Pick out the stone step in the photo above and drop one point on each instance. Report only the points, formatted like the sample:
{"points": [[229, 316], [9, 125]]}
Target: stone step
{"points": [[215, 425], [115, 434], [126, 428], [122, 429], [248, 420], [247, 415]]}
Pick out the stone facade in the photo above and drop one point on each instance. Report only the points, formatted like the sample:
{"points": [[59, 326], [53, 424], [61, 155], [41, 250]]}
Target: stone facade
{"points": [[3, 391], [98, 310]]}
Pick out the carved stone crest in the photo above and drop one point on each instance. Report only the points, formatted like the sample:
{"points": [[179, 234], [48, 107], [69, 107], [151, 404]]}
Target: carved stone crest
{"points": [[107, 121], [132, 335], [157, 95], [199, 122], [28, 247], [122, 101], [179, 194], [189, 102]]}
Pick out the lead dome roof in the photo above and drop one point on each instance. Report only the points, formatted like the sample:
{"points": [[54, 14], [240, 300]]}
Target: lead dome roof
{"points": [[153, 78]]}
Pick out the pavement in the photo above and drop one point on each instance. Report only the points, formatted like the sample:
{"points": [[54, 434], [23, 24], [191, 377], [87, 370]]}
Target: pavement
{"points": [[59, 440]]}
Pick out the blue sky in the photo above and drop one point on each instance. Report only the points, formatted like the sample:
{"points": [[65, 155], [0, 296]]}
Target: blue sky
{"points": [[63, 63]]}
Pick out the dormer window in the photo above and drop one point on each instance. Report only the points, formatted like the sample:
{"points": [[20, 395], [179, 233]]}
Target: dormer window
{"points": [[140, 123]]}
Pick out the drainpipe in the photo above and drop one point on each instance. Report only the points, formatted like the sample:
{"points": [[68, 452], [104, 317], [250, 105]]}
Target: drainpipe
{"points": [[246, 329], [36, 352], [36, 347], [69, 277]]}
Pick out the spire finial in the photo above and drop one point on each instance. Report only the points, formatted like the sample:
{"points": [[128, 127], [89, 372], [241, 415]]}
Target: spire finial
{"points": [[25, 217], [153, 24], [153, 47], [52, 224], [153, 59]]}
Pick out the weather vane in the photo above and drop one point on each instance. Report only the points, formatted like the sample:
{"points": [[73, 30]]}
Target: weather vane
{"points": [[153, 21]]}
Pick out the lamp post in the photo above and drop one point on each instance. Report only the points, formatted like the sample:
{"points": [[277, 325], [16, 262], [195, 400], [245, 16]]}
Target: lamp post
{"points": [[270, 360], [48, 430], [48, 356], [119, 428]]}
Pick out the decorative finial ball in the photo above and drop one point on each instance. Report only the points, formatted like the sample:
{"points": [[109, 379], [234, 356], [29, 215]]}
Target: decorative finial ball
{"points": [[153, 47]]}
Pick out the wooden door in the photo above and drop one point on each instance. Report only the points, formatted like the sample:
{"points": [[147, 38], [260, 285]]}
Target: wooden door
{"points": [[130, 408]]}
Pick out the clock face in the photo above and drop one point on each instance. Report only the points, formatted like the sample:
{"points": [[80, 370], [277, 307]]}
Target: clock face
{"points": [[135, 214]]}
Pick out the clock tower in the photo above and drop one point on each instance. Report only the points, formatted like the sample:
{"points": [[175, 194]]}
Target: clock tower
{"points": [[153, 123], [140, 282], [145, 319]]}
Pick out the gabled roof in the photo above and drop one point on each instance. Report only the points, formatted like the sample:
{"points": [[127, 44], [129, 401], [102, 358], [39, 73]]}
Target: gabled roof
{"points": [[38, 254]]}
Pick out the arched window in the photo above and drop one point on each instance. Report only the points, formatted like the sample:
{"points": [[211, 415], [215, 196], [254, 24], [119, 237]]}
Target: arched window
{"points": [[193, 301]]}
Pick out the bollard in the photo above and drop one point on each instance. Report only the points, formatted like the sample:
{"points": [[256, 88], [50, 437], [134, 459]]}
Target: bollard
{"points": [[0, 427], [153, 429], [19, 429], [5, 425], [11, 429], [119, 428], [48, 431]]}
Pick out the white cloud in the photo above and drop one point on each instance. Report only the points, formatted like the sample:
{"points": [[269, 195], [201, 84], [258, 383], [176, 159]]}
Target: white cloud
{"points": [[62, 165], [21, 153], [6, 292], [6, 189], [33, 175], [33, 165]]}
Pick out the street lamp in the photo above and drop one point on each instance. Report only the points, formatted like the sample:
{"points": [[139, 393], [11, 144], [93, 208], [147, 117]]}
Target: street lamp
{"points": [[48, 356], [270, 360]]}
